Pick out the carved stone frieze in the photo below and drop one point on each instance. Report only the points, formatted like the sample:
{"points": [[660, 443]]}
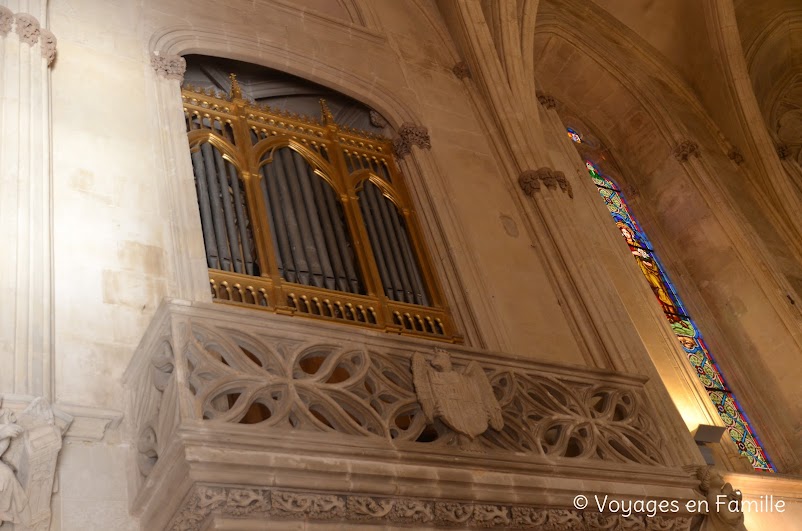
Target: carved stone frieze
{"points": [[685, 149], [547, 101], [464, 401], [30, 442], [168, 66], [27, 28], [530, 181], [735, 155], [462, 70], [48, 45], [6, 20], [205, 501], [377, 120], [410, 135]]}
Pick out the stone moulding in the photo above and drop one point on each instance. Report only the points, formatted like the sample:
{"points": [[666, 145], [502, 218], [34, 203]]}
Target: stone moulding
{"points": [[530, 181], [206, 501], [328, 400], [410, 135]]}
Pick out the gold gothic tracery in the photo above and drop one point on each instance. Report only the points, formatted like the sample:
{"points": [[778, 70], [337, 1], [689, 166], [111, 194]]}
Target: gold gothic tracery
{"points": [[362, 262]]}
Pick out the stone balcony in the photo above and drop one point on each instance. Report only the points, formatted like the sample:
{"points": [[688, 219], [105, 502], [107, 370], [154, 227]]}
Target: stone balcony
{"points": [[241, 419]]}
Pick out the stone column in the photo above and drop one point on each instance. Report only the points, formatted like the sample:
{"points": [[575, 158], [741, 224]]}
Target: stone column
{"points": [[27, 51], [189, 273]]}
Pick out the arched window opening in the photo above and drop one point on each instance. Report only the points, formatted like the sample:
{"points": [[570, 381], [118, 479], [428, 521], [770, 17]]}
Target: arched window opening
{"points": [[688, 334], [307, 216]]}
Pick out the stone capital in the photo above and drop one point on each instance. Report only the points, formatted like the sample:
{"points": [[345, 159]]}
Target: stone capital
{"points": [[28, 28], [410, 135], [530, 181], [6, 20], [168, 66]]}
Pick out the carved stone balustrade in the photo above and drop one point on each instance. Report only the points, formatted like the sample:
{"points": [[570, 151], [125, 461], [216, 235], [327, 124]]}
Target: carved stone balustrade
{"points": [[236, 414]]}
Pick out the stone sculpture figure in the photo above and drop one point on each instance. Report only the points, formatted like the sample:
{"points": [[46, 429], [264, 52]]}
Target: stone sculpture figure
{"points": [[13, 500], [462, 401], [722, 514], [30, 442]]}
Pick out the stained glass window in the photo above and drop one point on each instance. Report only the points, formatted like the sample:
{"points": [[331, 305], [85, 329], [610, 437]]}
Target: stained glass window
{"points": [[573, 135], [688, 334]]}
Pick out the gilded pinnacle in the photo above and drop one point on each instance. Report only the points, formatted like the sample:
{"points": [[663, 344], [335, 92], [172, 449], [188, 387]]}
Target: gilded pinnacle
{"points": [[235, 92]]}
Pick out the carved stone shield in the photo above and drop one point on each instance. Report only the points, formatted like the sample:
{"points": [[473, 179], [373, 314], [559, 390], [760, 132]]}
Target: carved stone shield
{"points": [[462, 401]]}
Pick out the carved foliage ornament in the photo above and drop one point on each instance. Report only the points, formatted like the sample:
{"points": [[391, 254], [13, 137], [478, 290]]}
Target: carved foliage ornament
{"points": [[6, 20], [261, 503], [736, 156], [462, 70], [410, 135], [29, 31], [685, 149], [27, 28], [168, 66], [530, 181], [464, 401], [546, 100], [48, 44]]}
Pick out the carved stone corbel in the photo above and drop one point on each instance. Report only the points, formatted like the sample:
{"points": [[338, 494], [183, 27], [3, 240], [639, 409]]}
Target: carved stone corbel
{"points": [[530, 181], [410, 135], [547, 101], [168, 66], [29, 446], [462, 70], [685, 149]]}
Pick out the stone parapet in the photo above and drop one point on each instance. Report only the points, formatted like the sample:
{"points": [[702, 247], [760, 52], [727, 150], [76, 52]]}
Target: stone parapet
{"points": [[263, 406]]}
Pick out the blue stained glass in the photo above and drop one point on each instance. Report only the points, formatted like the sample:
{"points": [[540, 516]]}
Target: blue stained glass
{"points": [[731, 413]]}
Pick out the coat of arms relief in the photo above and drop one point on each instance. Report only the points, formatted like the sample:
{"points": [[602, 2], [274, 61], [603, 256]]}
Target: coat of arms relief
{"points": [[30, 442], [463, 401]]}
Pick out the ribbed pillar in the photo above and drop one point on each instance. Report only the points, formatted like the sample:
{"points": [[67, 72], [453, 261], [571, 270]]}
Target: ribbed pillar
{"points": [[27, 50], [189, 273]]}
